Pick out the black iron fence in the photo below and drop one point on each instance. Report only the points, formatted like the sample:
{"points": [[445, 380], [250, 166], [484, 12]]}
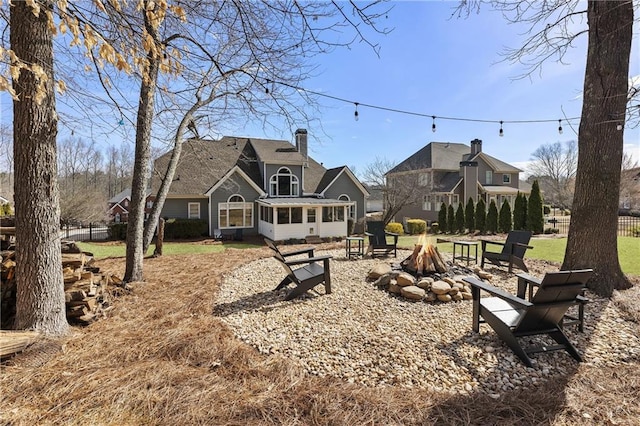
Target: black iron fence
{"points": [[90, 232], [628, 226]]}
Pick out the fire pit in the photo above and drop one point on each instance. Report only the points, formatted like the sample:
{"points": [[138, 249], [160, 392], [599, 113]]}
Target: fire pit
{"points": [[425, 276]]}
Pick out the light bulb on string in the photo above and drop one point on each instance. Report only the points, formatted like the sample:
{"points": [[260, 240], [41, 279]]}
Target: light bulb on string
{"points": [[619, 126], [501, 133], [355, 114], [433, 124], [266, 87], [560, 126]]}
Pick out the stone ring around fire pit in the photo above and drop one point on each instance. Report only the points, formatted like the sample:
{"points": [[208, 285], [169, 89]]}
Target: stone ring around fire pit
{"points": [[445, 285]]}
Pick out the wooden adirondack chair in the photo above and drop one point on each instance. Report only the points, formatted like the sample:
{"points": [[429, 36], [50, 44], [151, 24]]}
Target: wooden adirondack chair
{"points": [[513, 250], [513, 317], [316, 271], [378, 243]]}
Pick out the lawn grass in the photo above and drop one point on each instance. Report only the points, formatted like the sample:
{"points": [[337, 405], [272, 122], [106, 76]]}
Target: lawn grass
{"points": [[118, 249], [553, 249]]}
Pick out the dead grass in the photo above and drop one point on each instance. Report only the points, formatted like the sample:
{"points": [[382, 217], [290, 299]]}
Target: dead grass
{"points": [[162, 358]]}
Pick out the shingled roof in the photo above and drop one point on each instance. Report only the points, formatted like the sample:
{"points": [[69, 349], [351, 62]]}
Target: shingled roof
{"points": [[435, 155], [205, 162]]}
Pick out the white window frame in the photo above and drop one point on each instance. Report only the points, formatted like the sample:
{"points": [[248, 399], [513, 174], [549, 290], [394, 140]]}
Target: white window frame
{"points": [[236, 202], [506, 178], [294, 184], [426, 202], [351, 209], [455, 200], [192, 209], [488, 177]]}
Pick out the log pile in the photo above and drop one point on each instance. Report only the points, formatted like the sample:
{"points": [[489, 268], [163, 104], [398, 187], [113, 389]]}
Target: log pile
{"points": [[425, 259], [87, 290]]}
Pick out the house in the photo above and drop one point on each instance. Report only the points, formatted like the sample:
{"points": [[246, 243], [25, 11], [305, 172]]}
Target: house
{"points": [[261, 187], [630, 190], [452, 173], [118, 206]]}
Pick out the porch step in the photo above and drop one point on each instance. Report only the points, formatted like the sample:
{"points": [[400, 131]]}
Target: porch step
{"points": [[313, 239]]}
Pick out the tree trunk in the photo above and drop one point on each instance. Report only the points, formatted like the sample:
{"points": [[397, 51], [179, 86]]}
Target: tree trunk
{"points": [[592, 241], [40, 303], [146, 110]]}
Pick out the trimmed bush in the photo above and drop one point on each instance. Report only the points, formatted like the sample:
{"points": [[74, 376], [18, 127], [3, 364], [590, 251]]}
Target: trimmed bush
{"points": [[442, 218], [435, 228], [492, 218], [416, 226], [551, 231], [470, 216], [460, 219], [117, 231], [395, 228], [481, 216], [520, 212], [175, 229], [535, 218], [504, 220], [451, 220]]}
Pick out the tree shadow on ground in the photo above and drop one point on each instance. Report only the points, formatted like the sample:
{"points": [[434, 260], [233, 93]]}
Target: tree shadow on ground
{"points": [[535, 403]]}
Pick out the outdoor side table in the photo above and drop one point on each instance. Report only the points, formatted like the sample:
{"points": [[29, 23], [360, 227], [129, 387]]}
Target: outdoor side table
{"points": [[354, 247], [467, 245]]}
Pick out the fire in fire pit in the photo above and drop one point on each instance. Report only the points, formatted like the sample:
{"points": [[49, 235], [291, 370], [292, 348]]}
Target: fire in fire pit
{"points": [[425, 259]]}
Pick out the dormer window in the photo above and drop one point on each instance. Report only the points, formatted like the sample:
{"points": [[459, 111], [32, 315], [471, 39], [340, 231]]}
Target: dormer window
{"points": [[283, 184]]}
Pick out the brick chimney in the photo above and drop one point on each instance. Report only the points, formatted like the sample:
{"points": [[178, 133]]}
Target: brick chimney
{"points": [[476, 147], [301, 142]]}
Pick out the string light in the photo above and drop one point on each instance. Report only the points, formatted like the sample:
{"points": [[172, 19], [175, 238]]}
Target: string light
{"points": [[266, 87], [560, 126], [619, 126], [418, 114], [433, 124]]}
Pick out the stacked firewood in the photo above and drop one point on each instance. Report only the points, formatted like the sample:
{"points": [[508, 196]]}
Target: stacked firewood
{"points": [[87, 290]]}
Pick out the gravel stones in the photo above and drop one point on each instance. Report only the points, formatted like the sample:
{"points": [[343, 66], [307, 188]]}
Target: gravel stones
{"points": [[366, 335]]}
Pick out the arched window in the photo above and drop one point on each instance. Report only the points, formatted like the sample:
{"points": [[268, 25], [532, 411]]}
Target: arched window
{"points": [[351, 209], [283, 184], [235, 213]]}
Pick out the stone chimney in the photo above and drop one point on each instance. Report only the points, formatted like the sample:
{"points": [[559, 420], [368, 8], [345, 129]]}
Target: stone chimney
{"points": [[476, 147], [301, 142], [469, 174]]}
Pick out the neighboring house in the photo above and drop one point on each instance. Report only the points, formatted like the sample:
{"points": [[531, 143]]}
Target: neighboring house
{"points": [[452, 173], [118, 206], [263, 187], [374, 202], [630, 189]]}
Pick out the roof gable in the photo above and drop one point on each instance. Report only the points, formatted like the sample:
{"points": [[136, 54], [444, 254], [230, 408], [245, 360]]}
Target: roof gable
{"points": [[495, 164], [435, 155], [332, 175]]}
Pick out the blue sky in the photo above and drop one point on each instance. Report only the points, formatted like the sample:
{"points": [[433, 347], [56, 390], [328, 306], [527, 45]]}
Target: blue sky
{"points": [[437, 65], [429, 64]]}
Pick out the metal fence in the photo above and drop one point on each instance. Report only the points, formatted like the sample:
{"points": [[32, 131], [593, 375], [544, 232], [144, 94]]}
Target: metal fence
{"points": [[628, 226], [91, 232]]}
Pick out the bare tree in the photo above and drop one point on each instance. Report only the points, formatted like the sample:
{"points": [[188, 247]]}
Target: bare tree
{"points": [[40, 303], [592, 240], [554, 166], [398, 191]]}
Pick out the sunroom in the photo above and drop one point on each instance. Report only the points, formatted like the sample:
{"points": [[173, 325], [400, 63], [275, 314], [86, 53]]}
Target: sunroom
{"points": [[296, 218]]}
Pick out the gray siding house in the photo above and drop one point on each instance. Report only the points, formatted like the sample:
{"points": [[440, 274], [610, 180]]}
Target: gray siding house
{"points": [[263, 187], [452, 173]]}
